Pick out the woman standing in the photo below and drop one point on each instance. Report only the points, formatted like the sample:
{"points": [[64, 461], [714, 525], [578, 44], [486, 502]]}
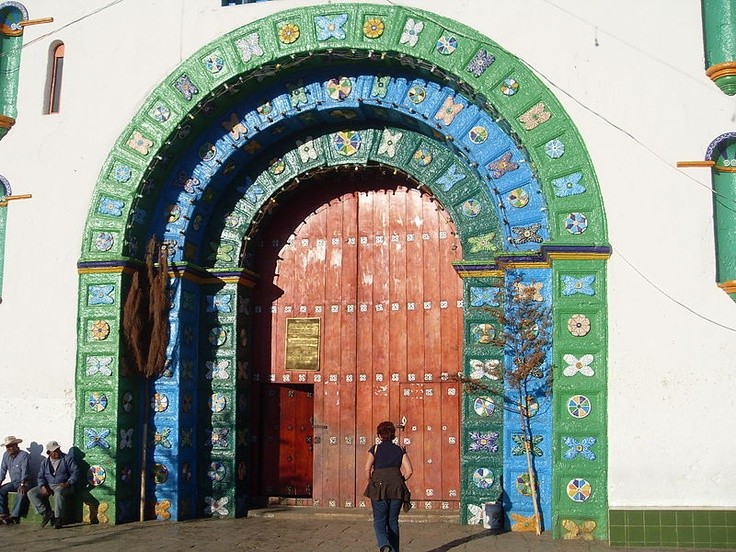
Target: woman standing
{"points": [[387, 468]]}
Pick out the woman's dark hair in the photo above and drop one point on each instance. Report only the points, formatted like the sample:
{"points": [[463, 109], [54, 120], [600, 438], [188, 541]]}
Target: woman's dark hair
{"points": [[386, 431]]}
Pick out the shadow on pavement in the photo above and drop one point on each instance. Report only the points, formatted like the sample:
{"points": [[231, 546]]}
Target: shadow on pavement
{"points": [[458, 542]]}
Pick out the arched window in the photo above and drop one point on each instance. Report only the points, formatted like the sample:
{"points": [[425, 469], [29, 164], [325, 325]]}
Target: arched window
{"points": [[56, 69]]}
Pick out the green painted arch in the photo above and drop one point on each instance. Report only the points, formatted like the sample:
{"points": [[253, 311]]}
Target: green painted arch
{"points": [[235, 65], [532, 113]]}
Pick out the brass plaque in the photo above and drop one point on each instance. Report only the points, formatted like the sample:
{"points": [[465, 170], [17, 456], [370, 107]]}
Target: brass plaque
{"points": [[302, 343]]}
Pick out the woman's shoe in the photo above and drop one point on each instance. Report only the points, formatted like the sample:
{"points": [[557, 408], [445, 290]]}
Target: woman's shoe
{"points": [[386, 548]]}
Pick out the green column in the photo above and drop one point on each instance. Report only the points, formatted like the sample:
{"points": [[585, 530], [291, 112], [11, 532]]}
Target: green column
{"points": [[719, 36], [482, 408], [722, 152], [10, 47], [218, 398], [105, 433], [244, 351], [724, 220], [580, 399]]}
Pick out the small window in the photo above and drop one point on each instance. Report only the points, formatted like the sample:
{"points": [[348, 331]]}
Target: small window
{"points": [[239, 2], [56, 70]]}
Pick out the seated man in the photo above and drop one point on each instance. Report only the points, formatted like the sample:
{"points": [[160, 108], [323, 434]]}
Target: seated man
{"points": [[57, 476], [15, 465]]}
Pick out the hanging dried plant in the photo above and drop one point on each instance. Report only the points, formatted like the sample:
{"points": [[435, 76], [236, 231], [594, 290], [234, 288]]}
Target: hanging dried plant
{"points": [[145, 315]]}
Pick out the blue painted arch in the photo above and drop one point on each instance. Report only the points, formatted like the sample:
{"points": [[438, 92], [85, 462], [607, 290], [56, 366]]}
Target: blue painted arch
{"points": [[216, 162]]}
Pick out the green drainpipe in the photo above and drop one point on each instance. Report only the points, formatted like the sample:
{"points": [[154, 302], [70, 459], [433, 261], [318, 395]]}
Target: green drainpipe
{"points": [[719, 37]]}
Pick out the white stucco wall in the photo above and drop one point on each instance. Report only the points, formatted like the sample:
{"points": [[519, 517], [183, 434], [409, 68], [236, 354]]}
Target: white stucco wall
{"points": [[629, 73]]}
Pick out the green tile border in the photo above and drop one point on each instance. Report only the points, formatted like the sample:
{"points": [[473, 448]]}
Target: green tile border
{"points": [[714, 529]]}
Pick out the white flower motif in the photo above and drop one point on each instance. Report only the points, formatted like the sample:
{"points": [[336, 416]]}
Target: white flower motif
{"points": [[126, 438], [216, 506], [217, 369], [99, 365], [389, 141], [250, 46], [476, 514], [411, 32], [576, 365], [307, 149], [484, 369]]}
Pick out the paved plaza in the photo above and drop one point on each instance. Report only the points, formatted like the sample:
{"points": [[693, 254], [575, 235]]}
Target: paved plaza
{"points": [[286, 531]]}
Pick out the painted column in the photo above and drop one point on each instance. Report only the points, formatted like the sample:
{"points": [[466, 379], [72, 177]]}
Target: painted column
{"points": [[482, 444], [724, 220], [579, 444], [126, 493], [719, 36], [5, 197], [518, 494], [171, 462], [186, 358], [242, 376], [3, 222], [11, 42], [218, 398], [105, 417], [722, 153]]}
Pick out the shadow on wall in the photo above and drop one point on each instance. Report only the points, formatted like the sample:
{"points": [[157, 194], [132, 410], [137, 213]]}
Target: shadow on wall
{"points": [[36, 451], [83, 493]]}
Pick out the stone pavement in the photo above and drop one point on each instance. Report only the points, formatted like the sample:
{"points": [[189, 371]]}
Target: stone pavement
{"points": [[287, 530]]}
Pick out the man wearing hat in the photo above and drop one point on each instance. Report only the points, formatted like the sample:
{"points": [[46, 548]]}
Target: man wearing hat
{"points": [[57, 476], [15, 465]]}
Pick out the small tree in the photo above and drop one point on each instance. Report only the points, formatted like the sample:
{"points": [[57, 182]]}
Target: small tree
{"points": [[524, 334]]}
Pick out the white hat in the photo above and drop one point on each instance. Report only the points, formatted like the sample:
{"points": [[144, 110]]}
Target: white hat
{"points": [[52, 446], [11, 440]]}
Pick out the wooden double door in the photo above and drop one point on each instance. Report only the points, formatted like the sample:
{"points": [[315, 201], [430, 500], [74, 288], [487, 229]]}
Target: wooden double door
{"points": [[369, 260]]}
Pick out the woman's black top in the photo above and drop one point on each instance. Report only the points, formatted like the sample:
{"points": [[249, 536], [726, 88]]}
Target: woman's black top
{"points": [[386, 480]]}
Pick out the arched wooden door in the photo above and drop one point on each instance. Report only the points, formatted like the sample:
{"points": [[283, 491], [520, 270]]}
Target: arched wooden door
{"points": [[369, 261]]}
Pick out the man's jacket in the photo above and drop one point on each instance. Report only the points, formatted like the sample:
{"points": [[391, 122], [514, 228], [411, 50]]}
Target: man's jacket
{"points": [[66, 472]]}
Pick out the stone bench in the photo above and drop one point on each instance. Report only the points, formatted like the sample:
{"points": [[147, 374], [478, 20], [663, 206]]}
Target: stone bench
{"points": [[28, 512]]}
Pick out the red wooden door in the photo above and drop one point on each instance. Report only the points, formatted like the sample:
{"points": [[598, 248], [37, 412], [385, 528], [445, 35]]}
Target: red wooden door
{"points": [[372, 259], [287, 440]]}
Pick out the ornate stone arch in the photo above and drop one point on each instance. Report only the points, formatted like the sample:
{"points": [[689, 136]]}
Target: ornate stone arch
{"points": [[303, 90]]}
